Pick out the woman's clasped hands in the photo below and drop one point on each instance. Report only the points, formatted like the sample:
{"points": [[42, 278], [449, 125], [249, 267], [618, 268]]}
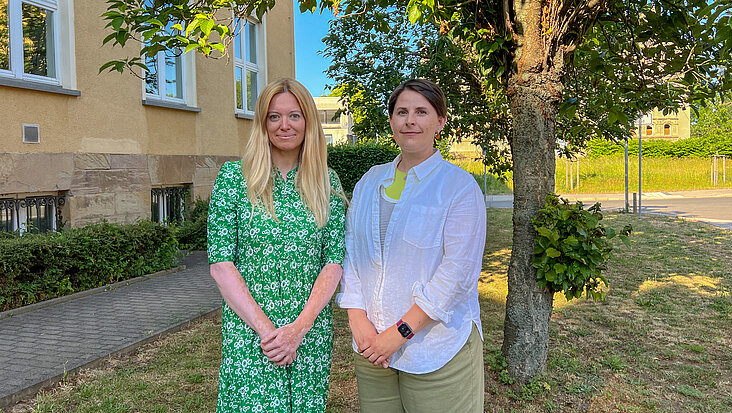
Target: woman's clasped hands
{"points": [[280, 344]]}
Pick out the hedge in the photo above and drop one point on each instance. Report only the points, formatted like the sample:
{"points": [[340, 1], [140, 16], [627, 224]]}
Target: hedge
{"points": [[352, 161], [191, 234], [655, 148], [38, 267]]}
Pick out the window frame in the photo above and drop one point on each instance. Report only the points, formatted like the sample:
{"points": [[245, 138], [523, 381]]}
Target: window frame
{"points": [[241, 63], [16, 57], [161, 95], [188, 99]]}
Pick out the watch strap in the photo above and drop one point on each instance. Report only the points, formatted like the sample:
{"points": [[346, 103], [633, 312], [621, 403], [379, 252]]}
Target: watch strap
{"points": [[404, 329]]}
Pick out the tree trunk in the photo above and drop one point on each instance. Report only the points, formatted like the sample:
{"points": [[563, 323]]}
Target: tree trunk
{"points": [[534, 104], [534, 93]]}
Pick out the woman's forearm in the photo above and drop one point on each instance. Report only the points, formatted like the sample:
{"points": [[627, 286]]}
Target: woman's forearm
{"points": [[323, 289], [236, 294]]}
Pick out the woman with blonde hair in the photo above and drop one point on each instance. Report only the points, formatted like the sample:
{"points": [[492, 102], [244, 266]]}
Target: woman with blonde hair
{"points": [[275, 245]]}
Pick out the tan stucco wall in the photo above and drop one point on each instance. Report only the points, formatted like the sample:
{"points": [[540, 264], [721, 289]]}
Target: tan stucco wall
{"points": [[106, 149], [343, 128], [109, 116]]}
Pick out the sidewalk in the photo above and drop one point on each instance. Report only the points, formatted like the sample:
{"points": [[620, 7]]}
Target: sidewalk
{"points": [[39, 347], [506, 201]]}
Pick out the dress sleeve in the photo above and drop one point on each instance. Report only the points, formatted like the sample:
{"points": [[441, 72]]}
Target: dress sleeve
{"points": [[334, 230], [222, 226]]}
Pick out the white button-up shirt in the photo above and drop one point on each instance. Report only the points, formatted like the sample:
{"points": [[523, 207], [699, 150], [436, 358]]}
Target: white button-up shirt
{"points": [[432, 256]]}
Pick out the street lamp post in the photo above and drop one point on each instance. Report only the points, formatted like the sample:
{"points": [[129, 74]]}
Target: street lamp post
{"points": [[644, 120], [627, 207]]}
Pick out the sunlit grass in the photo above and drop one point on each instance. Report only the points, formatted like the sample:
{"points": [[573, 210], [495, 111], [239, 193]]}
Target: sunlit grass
{"points": [[607, 175]]}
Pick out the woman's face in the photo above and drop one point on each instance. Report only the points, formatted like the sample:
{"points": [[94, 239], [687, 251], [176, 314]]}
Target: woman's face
{"points": [[415, 123], [285, 124]]}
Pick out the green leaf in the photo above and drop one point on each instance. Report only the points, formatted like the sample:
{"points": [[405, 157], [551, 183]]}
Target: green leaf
{"points": [[414, 13], [544, 232], [625, 240], [551, 252], [218, 46], [191, 46], [155, 22], [206, 26], [550, 276], [559, 268]]}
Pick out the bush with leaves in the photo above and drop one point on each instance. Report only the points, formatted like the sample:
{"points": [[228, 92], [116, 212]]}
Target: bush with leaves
{"points": [[572, 248], [351, 162], [191, 234], [38, 267]]}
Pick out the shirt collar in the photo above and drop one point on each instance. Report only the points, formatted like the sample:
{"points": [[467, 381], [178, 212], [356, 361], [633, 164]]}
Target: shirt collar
{"points": [[420, 171], [428, 165]]}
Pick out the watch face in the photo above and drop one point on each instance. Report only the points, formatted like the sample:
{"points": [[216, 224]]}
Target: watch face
{"points": [[404, 330]]}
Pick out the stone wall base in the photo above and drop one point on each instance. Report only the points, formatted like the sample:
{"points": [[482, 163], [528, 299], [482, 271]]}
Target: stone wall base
{"points": [[98, 186]]}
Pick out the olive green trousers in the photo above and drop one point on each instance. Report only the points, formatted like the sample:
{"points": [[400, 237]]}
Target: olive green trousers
{"points": [[458, 386]]}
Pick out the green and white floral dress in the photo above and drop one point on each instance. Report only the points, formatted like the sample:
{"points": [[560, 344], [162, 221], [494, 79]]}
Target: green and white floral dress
{"points": [[279, 262]]}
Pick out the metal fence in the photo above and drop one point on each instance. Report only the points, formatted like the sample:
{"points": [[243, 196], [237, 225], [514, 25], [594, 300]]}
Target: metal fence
{"points": [[168, 204], [36, 214]]}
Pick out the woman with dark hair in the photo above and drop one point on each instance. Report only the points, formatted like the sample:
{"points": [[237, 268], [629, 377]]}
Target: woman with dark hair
{"points": [[415, 235], [275, 244]]}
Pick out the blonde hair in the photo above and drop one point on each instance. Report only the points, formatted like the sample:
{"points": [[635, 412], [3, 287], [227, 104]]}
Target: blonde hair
{"points": [[312, 180]]}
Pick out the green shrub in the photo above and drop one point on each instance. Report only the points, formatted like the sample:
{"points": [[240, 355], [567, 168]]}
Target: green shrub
{"points": [[191, 234], [572, 248], [38, 267], [655, 148], [352, 161]]}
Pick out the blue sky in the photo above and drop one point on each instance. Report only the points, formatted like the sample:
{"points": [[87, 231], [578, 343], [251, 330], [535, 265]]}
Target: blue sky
{"points": [[309, 64]]}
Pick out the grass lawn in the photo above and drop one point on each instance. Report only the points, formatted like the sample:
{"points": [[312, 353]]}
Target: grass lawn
{"points": [[661, 342], [607, 175]]}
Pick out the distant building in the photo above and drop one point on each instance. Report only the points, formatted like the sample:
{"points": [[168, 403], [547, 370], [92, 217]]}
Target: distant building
{"points": [[674, 126], [338, 129], [79, 146]]}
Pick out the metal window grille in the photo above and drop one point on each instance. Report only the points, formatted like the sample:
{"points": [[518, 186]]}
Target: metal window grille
{"points": [[37, 214], [168, 204]]}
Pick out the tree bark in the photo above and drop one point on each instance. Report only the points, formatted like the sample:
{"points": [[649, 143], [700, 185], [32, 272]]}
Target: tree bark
{"points": [[534, 92]]}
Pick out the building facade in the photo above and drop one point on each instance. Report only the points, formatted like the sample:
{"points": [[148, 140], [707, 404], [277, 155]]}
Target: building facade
{"points": [[338, 129], [79, 146], [672, 126]]}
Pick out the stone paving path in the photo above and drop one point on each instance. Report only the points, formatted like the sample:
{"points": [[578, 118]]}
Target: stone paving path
{"points": [[38, 347]]}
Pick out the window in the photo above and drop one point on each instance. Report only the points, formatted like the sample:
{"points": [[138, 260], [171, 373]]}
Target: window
{"points": [[667, 130], [329, 138], [170, 77], [248, 65], [165, 84], [35, 214], [29, 40], [329, 117], [649, 130], [168, 204]]}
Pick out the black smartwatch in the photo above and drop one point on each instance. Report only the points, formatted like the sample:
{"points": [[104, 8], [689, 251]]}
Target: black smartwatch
{"points": [[404, 329]]}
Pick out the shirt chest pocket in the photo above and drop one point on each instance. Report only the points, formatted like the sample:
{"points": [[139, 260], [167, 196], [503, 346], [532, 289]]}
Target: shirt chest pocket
{"points": [[424, 226]]}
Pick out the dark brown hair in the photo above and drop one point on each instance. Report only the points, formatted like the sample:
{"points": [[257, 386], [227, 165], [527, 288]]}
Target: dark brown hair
{"points": [[424, 87]]}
